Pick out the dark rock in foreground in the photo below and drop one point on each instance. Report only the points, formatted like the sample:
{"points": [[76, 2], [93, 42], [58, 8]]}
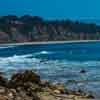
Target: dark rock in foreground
{"points": [[24, 78], [28, 86]]}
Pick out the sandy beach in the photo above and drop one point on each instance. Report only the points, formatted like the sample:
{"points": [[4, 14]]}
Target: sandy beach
{"points": [[50, 42]]}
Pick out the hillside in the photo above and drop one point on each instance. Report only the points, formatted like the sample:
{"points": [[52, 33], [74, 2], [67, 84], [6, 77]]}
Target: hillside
{"points": [[33, 28]]}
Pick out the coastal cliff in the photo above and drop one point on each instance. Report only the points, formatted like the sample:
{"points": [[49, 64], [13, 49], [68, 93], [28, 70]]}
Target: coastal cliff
{"points": [[33, 28]]}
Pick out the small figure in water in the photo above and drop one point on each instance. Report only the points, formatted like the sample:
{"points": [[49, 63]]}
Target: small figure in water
{"points": [[43, 61], [83, 71]]}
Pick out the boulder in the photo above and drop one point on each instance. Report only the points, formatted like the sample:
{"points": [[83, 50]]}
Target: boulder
{"points": [[20, 79], [33, 87], [60, 88], [3, 81]]}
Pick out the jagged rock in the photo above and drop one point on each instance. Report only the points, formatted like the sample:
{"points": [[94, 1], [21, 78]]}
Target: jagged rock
{"points": [[10, 95], [20, 79], [28, 86], [32, 87], [60, 88], [22, 95], [3, 81], [13, 91], [2, 90], [45, 83]]}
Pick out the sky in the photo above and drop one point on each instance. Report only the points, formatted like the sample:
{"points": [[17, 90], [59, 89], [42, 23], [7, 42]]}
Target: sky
{"points": [[52, 9]]}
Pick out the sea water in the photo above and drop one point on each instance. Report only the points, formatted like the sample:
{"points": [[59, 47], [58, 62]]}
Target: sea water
{"points": [[58, 63]]}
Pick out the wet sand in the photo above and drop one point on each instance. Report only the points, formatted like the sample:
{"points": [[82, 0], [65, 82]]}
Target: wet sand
{"points": [[50, 42]]}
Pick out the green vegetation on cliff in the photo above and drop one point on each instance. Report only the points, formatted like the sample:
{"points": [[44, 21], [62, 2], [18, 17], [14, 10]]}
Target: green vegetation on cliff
{"points": [[33, 28]]}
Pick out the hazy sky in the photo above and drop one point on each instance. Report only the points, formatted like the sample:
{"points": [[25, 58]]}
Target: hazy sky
{"points": [[73, 9]]}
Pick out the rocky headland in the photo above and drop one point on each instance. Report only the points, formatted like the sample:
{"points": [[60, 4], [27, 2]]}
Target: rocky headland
{"points": [[15, 29]]}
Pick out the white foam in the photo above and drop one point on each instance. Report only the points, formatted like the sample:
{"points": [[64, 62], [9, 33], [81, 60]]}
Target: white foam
{"points": [[4, 47], [17, 59], [15, 63], [47, 67], [42, 52], [27, 58]]}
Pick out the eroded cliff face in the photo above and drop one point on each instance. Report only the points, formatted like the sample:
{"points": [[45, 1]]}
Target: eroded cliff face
{"points": [[33, 28]]}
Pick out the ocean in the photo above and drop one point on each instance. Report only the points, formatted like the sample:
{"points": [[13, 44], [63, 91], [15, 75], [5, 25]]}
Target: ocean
{"points": [[58, 63]]}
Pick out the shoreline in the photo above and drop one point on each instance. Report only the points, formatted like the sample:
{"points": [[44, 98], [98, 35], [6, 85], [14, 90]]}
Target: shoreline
{"points": [[49, 42], [27, 85]]}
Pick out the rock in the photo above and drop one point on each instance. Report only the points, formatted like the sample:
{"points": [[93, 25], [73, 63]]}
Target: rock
{"points": [[3, 97], [61, 88], [10, 95], [3, 81], [13, 91], [18, 89], [26, 95], [46, 96], [29, 76], [71, 96], [77, 98], [28, 86], [20, 78], [80, 92], [32, 87], [33, 94], [57, 91], [35, 88], [90, 96], [2, 90], [45, 83], [23, 97]]}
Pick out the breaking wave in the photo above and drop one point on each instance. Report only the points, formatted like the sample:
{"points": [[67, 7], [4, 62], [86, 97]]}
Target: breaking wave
{"points": [[50, 69], [55, 64], [43, 53], [5, 47]]}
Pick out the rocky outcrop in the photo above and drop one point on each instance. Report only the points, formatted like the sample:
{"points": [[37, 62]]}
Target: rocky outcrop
{"points": [[28, 86], [24, 79]]}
